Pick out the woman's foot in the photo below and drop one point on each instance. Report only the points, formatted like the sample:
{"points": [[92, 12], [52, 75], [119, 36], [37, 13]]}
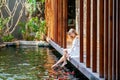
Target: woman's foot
{"points": [[55, 65], [64, 63]]}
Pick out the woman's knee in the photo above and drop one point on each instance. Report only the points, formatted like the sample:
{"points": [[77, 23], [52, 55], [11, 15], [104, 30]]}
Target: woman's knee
{"points": [[64, 52]]}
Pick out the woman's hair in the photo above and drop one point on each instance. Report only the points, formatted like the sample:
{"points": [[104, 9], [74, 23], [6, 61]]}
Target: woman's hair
{"points": [[72, 31]]}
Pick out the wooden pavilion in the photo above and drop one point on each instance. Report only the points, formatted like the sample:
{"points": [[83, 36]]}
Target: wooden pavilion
{"points": [[97, 22]]}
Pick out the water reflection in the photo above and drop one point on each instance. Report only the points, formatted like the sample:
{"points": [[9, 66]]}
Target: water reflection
{"points": [[30, 63]]}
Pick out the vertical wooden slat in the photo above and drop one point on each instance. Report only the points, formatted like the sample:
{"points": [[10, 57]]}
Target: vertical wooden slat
{"points": [[118, 54], [94, 47], [114, 42], [88, 57], [81, 30], [56, 20], [58, 14], [106, 39], [65, 24], [110, 40], [117, 37], [101, 37], [61, 23]]}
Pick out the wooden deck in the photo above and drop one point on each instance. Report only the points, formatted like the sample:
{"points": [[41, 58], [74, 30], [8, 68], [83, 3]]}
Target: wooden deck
{"points": [[80, 66]]}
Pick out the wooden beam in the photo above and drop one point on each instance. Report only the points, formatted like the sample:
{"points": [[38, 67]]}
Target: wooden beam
{"points": [[110, 51], [118, 54], [88, 53], [114, 42], [61, 23], [106, 39], [101, 37], [94, 45], [59, 17], [81, 30], [55, 20], [65, 20]]}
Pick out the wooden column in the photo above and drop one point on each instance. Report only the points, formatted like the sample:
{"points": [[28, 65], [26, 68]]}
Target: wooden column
{"points": [[55, 2], [114, 42], [61, 23], [118, 54], [65, 24], [110, 24], [88, 56], [94, 45], [101, 37], [58, 14], [106, 10], [81, 30]]}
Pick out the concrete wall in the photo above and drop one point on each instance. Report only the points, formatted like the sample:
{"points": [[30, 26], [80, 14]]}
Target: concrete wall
{"points": [[11, 4]]}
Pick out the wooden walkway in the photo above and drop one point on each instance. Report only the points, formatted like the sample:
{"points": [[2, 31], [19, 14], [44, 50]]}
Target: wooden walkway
{"points": [[80, 66]]}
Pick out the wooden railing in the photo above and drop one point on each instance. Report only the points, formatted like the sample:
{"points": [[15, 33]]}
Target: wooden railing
{"points": [[102, 33]]}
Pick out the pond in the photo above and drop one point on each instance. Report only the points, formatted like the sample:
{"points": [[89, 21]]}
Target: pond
{"points": [[31, 63]]}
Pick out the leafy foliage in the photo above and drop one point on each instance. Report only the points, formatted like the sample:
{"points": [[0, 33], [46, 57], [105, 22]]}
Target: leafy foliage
{"points": [[8, 38], [33, 29], [3, 22]]}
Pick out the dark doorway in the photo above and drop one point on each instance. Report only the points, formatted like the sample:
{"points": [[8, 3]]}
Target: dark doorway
{"points": [[71, 14]]}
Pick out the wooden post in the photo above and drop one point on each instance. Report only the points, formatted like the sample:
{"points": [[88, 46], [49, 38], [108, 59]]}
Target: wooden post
{"points": [[88, 28], [106, 39], [61, 23], [55, 20], [94, 45], [101, 37], [81, 30], [114, 42], [65, 24], [110, 24], [118, 50], [58, 21]]}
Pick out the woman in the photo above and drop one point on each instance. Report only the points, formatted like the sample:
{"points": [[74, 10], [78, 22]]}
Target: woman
{"points": [[72, 52]]}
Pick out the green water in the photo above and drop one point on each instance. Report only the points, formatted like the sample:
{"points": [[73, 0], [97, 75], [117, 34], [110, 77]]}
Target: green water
{"points": [[27, 63]]}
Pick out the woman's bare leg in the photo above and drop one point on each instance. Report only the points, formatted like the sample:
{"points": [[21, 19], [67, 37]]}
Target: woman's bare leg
{"points": [[62, 59]]}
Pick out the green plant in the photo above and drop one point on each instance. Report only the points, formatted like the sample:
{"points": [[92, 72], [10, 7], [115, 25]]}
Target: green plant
{"points": [[42, 30], [8, 38], [33, 29], [3, 22], [31, 5]]}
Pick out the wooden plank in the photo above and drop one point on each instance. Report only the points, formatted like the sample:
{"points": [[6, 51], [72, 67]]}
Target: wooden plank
{"points": [[59, 17], [94, 47], [114, 42], [61, 23], [55, 20], [110, 24], [65, 24], [81, 31], [88, 53], [106, 39], [101, 39], [118, 54]]}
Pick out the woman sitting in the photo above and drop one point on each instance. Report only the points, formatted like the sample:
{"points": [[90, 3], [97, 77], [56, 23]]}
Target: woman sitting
{"points": [[72, 52]]}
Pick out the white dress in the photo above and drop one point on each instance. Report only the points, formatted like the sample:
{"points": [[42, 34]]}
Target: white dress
{"points": [[74, 51]]}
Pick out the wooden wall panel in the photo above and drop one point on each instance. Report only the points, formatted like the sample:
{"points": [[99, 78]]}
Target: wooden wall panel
{"points": [[110, 39], [65, 19], [101, 38], [106, 10], [94, 47], [88, 29], [118, 54], [81, 30], [114, 42], [55, 20]]}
